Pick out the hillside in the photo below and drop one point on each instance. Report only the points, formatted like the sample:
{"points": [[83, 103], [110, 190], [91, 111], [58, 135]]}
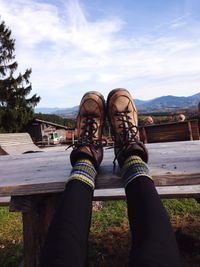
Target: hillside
{"points": [[166, 103], [161, 104]]}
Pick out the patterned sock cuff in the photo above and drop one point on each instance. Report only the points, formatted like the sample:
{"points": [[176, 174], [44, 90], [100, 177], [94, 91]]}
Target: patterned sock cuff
{"points": [[84, 171], [134, 167]]}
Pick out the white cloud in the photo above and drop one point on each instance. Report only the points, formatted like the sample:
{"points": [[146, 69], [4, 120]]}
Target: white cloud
{"points": [[180, 21], [70, 54]]}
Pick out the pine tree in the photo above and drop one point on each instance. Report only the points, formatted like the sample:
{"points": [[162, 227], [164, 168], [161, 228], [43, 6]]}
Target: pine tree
{"points": [[16, 107]]}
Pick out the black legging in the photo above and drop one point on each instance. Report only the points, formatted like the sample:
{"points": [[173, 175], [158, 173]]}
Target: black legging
{"points": [[153, 242]]}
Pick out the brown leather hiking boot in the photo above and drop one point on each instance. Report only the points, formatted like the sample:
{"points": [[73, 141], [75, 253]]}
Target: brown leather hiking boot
{"points": [[90, 122], [122, 115]]}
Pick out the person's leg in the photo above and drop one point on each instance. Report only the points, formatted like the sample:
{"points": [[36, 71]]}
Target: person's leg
{"points": [[66, 242], [153, 240]]}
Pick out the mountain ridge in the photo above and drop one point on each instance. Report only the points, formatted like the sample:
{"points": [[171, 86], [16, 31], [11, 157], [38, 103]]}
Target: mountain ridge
{"points": [[169, 102], [162, 103]]}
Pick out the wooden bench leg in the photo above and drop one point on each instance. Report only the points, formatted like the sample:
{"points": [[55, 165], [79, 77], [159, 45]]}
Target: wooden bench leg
{"points": [[32, 235], [37, 213]]}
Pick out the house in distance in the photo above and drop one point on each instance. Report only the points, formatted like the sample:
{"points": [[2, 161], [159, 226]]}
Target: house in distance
{"points": [[49, 133]]}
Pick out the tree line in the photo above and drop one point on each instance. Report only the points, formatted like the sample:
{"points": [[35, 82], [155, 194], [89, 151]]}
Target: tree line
{"points": [[71, 123]]}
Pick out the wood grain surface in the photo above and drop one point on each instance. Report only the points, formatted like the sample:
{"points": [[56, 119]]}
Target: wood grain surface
{"points": [[176, 163]]}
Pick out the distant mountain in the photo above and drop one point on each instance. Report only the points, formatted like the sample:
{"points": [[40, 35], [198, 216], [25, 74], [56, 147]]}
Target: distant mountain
{"points": [[66, 112], [161, 104], [165, 103], [46, 110], [139, 102]]}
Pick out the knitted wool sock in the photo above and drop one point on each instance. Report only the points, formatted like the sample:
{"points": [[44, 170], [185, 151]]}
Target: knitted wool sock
{"points": [[133, 168], [84, 171]]}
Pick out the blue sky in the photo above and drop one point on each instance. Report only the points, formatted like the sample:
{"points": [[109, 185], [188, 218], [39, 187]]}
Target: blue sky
{"points": [[151, 47]]}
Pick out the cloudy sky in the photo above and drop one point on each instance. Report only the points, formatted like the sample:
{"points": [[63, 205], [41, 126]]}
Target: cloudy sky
{"points": [[151, 47]]}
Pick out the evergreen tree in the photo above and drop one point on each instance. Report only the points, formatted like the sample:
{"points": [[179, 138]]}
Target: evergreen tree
{"points": [[16, 107]]}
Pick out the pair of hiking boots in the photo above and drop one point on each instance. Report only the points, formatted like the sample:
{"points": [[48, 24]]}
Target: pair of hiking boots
{"points": [[122, 116]]}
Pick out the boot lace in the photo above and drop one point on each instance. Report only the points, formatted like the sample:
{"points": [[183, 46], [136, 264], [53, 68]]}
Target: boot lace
{"points": [[88, 134], [128, 135]]}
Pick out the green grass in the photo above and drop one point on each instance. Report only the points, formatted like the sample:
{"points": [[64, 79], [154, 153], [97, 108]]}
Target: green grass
{"points": [[10, 238], [113, 213], [110, 235], [109, 231], [182, 207]]}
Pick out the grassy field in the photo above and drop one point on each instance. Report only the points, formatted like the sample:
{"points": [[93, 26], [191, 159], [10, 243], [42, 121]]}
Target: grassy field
{"points": [[10, 238], [109, 240]]}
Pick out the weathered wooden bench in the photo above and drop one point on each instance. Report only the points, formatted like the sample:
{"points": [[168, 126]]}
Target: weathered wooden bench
{"points": [[170, 132], [35, 182], [5, 201], [16, 143]]}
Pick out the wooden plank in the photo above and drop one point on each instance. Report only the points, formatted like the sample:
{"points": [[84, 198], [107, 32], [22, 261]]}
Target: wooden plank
{"points": [[190, 130], [195, 129], [170, 132], [174, 163], [16, 143], [184, 191], [15, 139], [4, 201], [143, 135]]}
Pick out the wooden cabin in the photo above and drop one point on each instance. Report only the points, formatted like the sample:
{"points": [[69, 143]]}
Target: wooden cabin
{"points": [[42, 131]]}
